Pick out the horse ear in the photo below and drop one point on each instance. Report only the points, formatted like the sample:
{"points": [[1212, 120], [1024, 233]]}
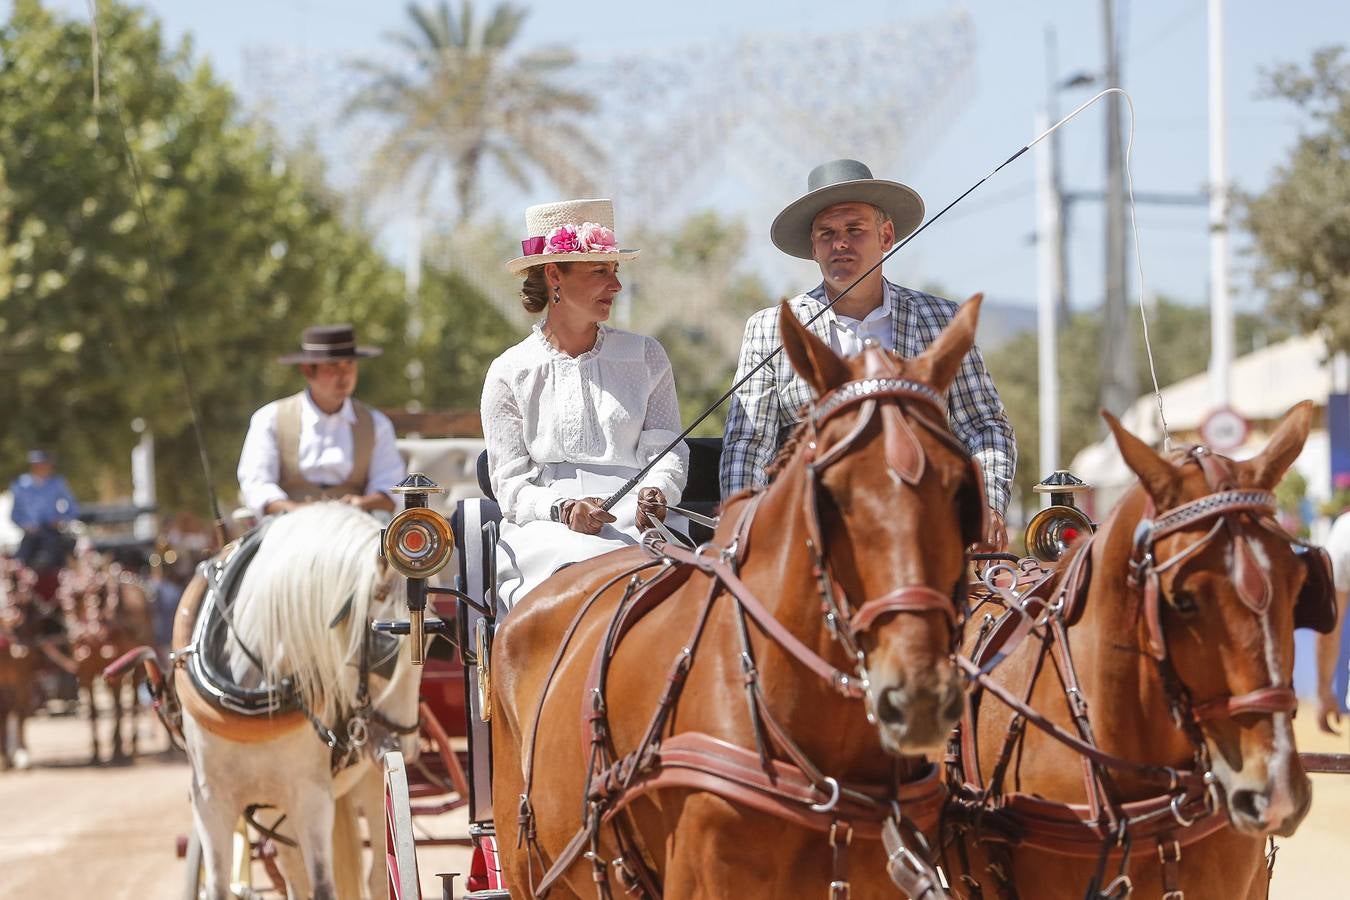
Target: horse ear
{"points": [[939, 363], [811, 357], [1284, 446], [1159, 477]]}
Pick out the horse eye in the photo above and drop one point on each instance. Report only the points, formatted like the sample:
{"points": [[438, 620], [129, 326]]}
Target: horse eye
{"points": [[1184, 603]]}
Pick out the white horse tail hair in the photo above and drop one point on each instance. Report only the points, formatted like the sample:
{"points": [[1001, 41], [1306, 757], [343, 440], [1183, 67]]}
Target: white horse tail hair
{"points": [[348, 876]]}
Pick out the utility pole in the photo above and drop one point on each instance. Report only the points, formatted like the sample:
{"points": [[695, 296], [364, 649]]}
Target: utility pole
{"points": [[412, 289], [1220, 303], [1049, 294], [1118, 369], [1059, 227]]}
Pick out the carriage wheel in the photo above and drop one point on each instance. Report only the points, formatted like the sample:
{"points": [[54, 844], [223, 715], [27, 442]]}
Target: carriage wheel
{"points": [[402, 854]]}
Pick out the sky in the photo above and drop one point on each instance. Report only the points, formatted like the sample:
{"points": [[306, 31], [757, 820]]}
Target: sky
{"points": [[984, 243]]}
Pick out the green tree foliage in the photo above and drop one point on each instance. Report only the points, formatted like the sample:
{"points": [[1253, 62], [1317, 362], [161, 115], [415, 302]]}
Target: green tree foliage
{"points": [[458, 98], [251, 249], [461, 335], [1301, 222], [691, 292], [1180, 336]]}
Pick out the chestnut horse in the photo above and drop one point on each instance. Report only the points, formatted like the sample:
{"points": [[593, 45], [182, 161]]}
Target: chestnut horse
{"points": [[847, 562], [18, 660], [107, 613], [1178, 671]]}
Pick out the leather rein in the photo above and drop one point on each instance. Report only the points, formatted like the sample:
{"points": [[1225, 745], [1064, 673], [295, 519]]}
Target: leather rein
{"points": [[777, 777], [1192, 807]]}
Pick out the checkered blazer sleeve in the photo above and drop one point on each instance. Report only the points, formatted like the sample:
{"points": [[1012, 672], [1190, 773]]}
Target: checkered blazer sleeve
{"points": [[978, 418], [753, 417]]}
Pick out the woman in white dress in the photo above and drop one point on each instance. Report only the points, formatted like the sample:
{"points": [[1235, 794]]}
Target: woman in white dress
{"points": [[576, 409]]}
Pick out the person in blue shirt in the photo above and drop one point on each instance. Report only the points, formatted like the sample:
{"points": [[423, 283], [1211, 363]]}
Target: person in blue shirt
{"points": [[42, 505]]}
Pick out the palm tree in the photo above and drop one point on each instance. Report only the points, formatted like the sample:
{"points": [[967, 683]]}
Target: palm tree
{"points": [[459, 98]]}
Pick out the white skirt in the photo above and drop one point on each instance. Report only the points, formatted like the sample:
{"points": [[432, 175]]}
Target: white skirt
{"points": [[527, 554]]}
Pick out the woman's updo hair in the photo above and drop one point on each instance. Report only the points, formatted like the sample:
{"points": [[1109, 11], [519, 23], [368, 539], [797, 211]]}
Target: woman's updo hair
{"points": [[534, 293]]}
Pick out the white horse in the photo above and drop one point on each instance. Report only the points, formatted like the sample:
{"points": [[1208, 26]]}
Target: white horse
{"points": [[311, 564]]}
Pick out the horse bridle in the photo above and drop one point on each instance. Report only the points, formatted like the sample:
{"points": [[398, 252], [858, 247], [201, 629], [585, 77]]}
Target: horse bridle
{"points": [[871, 393], [1226, 506]]}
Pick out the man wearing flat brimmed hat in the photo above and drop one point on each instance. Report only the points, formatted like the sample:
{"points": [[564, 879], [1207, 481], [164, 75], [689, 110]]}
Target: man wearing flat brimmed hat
{"points": [[320, 444], [846, 222]]}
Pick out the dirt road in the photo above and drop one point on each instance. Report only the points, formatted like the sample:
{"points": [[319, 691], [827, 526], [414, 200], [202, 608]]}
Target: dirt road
{"points": [[68, 830]]}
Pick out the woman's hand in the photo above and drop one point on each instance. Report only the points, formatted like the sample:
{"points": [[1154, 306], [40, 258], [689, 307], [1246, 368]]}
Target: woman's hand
{"points": [[651, 506], [587, 515]]}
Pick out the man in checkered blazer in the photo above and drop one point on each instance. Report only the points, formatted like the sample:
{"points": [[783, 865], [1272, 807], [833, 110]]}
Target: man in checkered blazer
{"points": [[846, 222]]}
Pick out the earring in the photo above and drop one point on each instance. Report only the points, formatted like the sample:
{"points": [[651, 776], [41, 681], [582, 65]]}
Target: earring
{"points": [[557, 293]]}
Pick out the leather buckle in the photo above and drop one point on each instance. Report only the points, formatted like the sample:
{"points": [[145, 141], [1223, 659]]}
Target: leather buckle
{"points": [[839, 890], [834, 831], [830, 804], [1163, 858]]}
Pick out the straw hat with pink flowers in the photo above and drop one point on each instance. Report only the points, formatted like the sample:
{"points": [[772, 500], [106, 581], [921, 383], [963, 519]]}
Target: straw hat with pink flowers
{"points": [[569, 231]]}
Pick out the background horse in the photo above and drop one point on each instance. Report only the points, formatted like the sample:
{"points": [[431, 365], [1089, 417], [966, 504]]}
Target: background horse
{"points": [[881, 489], [304, 609], [18, 660], [1204, 657], [107, 613]]}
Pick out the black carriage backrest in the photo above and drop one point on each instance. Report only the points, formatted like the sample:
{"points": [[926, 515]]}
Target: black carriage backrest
{"points": [[484, 480], [702, 487]]}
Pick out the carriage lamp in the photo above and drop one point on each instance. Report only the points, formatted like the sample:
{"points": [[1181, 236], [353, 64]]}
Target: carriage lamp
{"points": [[418, 543], [1052, 530]]}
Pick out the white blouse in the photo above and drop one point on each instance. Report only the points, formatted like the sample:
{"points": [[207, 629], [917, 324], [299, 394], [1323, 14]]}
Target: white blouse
{"points": [[613, 405]]}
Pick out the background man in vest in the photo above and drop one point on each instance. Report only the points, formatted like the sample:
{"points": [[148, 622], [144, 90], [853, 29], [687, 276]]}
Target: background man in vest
{"points": [[320, 444], [846, 222]]}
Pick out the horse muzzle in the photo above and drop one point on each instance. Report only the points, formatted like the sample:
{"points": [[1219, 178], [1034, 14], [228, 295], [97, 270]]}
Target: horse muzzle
{"points": [[1270, 808], [916, 718]]}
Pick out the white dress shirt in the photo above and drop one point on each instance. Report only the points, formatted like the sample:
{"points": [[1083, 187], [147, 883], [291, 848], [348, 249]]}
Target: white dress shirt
{"points": [[1338, 548], [847, 334], [325, 452]]}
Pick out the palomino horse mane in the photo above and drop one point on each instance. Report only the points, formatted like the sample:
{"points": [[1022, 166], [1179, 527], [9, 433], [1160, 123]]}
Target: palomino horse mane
{"points": [[304, 601]]}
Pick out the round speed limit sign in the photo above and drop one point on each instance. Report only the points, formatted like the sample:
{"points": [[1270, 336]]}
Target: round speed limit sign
{"points": [[1224, 429]]}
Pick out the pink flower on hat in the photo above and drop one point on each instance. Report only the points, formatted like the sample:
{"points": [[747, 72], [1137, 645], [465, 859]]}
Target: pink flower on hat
{"points": [[596, 238], [562, 239]]}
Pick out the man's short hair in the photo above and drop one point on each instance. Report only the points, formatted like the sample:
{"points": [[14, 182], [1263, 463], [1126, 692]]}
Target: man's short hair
{"points": [[882, 216]]}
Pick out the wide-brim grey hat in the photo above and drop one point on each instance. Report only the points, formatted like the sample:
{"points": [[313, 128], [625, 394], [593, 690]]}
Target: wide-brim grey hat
{"points": [[843, 181]]}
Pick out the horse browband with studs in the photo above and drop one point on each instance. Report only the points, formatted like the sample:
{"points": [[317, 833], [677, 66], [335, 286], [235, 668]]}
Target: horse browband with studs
{"points": [[1211, 505], [866, 388]]}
